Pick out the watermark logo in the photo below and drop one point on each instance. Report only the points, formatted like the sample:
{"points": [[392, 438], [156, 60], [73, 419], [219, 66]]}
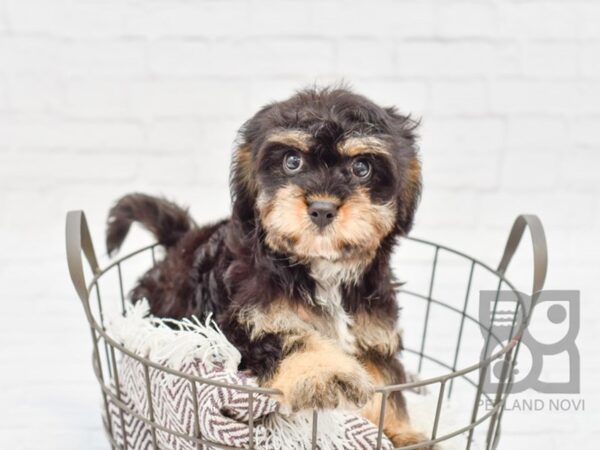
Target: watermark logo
{"points": [[501, 317]]}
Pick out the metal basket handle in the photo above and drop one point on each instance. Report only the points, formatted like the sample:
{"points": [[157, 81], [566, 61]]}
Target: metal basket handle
{"points": [[540, 249], [78, 241]]}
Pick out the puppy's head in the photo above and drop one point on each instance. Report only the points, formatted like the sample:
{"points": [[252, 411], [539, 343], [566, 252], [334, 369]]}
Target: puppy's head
{"points": [[326, 174]]}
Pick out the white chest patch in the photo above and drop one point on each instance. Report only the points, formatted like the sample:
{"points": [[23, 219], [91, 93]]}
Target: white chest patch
{"points": [[328, 277]]}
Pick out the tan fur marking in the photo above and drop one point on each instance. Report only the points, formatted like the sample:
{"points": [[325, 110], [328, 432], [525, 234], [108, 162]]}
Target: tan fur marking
{"points": [[294, 138], [362, 223], [359, 145], [413, 181], [284, 217], [323, 198], [321, 376], [396, 425], [243, 158], [291, 322], [374, 334], [305, 314], [278, 318], [318, 321]]}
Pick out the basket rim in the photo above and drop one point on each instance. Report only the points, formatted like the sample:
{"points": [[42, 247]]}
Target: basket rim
{"points": [[384, 390]]}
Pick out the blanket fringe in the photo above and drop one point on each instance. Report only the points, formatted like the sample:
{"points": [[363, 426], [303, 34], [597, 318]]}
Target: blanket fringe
{"points": [[173, 342]]}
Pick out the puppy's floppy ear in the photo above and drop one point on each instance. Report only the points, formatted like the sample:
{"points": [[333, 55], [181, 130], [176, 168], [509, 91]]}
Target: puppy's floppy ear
{"points": [[242, 178], [243, 183], [409, 188]]}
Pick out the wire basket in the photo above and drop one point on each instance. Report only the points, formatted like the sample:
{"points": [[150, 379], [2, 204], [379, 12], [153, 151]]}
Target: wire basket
{"points": [[453, 369]]}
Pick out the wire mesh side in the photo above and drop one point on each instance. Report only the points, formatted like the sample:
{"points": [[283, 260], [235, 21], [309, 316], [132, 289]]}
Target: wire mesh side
{"points": [[107, 372]]}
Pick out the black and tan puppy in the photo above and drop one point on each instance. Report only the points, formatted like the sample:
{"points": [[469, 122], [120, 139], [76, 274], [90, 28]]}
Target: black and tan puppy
{"points": [[299, 277]]}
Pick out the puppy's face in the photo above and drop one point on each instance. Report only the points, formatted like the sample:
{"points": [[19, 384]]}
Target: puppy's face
{"points": [[328, 174]]}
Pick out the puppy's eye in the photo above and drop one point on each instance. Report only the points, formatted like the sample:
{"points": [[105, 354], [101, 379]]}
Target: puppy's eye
{"points": [[292, 163], [361, 168]]}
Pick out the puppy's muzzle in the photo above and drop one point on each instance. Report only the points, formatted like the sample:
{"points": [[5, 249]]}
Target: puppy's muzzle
{"points": [[322, 213]]}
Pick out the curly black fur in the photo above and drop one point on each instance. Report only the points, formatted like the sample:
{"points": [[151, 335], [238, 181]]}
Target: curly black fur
{"points": [[228, 266], [166, 220]]}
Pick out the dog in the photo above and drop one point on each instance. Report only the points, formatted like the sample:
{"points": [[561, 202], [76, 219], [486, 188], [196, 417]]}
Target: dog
{"points": [[298, 278]]}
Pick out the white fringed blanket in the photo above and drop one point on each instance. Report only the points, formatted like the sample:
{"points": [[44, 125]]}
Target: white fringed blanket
{"points": [[222, 411]]}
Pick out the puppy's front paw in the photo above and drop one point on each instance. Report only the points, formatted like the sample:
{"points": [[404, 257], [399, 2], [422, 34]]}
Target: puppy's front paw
{"points": [[321, 376], [410, 437], [329, 388]]}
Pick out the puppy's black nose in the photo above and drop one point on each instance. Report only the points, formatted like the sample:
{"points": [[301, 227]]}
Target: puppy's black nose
{"points": [[322, 213]]}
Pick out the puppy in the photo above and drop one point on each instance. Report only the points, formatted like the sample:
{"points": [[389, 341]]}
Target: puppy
{"points": [[299, 277]]}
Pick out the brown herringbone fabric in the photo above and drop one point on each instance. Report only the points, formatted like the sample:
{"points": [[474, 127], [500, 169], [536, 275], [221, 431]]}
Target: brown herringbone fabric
{"points": [[223, 414]]}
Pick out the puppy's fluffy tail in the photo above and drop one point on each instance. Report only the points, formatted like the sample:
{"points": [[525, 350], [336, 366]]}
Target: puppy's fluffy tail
{"points": [[166, 220]]}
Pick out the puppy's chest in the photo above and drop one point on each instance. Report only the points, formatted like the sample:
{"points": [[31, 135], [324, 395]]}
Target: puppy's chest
{"points": [[337, 325]]}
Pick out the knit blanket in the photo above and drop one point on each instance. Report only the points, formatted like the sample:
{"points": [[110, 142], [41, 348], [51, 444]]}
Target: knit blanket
{"points": [[218, 412]]}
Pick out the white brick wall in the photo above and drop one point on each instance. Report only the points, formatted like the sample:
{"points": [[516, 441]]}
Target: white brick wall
{"points": [[99, 98]]}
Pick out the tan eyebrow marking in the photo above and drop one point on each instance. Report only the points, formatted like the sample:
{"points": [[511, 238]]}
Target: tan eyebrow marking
{"points": [[366, 144], [294, 138]]}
